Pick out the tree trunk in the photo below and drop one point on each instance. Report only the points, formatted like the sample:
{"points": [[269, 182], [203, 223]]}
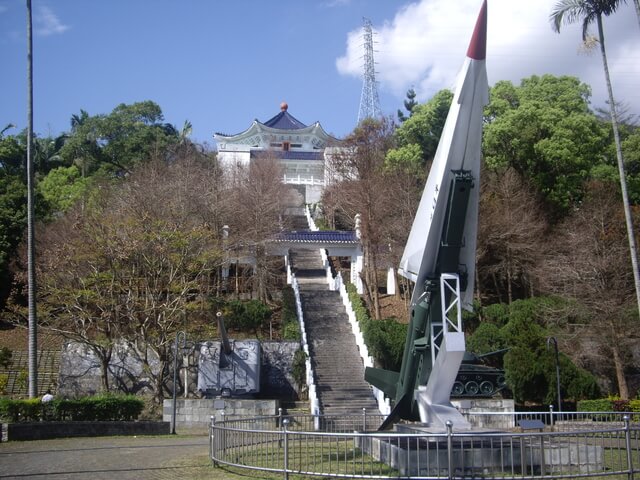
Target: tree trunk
{"points": [[620, 159], [623, 388], [31, 272], [105, 359]]}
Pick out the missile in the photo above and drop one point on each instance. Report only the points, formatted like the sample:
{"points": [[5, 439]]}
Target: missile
{"points": [[458, 149], [442, 244]]}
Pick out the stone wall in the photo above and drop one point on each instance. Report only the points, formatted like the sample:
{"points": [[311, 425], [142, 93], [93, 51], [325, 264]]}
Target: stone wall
{"points": [[193, 412], [80, 371]]}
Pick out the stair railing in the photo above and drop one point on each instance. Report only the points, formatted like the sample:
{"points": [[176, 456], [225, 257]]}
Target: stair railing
{"points": [[314, 404], [384, 404], [312, 224]]}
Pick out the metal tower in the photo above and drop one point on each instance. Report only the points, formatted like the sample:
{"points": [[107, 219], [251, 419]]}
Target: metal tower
{"points": [[369, 101]]}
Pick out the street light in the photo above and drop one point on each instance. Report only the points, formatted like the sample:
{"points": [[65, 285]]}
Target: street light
{"points": [[175, 377], [555, 346]]}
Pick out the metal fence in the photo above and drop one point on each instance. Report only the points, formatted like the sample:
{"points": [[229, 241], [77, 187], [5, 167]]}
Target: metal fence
{"points": [[538, 445]]}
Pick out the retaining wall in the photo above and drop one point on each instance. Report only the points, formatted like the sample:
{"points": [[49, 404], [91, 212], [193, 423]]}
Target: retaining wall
{"points": [[47, 430]]}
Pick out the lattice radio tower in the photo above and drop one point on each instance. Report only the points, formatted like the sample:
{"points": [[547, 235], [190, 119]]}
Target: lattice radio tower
{"points": [[369, 101]]}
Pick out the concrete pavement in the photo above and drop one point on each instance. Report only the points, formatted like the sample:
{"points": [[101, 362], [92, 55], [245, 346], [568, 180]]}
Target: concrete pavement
{"points": [[98, 458]]}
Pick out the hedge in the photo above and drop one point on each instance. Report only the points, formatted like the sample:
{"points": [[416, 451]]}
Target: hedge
{"points": [[384, 338], [96, 408], [289, 317], [609, 405]]}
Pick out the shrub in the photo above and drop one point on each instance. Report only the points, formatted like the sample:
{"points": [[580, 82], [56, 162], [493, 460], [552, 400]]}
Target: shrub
{"points": [[289, 319], [598, 405], [5, 357], [4, 381], [98, 408], [250, 315], [385, 338], [299, 369]]}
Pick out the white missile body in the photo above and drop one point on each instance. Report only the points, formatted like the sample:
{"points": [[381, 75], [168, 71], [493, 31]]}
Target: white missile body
{"points": [[459, 149]]}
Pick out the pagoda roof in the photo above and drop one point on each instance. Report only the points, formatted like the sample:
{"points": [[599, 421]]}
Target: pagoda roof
{"points": [[320, 236], [281, 123], [284, 121]]}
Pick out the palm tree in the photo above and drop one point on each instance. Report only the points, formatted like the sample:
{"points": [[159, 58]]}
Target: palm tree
{"points": [[588, 11], [31, 272]]}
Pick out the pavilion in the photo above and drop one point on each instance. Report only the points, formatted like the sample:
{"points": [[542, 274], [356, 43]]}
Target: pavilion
{"points": [[301, 149]]}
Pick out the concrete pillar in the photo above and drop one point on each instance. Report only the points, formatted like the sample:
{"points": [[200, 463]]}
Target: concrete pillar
{"points": [[391, 281]]}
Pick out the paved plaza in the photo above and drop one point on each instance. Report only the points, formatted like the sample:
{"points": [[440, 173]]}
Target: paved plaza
{"points": [[97, 458]]}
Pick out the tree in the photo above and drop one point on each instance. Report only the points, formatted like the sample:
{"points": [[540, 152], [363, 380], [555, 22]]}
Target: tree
{"points": [[62, 188], [511, 227], [544, 130], [115, 143], [586, 262], [425, 125], [523, 327], [134, 263], [31, 270], [588, 11], [364, 189], [409, 105], [258, 203]]}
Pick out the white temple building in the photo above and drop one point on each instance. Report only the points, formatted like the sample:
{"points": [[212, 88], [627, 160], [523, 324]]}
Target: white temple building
{"points": [[301, 149]]}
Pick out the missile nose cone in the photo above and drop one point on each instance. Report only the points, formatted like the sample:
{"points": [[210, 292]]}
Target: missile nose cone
{"points": [[478, 45]]}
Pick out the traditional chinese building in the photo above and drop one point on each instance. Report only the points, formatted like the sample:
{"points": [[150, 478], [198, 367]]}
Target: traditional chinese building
{"points": [[301, 150]]}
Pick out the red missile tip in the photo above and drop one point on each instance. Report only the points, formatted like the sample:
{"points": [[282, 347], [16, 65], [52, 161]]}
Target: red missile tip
{"points": [[478, 45]]}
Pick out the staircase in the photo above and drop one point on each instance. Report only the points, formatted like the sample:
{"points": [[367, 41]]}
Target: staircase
{"points": [[337, 365]]}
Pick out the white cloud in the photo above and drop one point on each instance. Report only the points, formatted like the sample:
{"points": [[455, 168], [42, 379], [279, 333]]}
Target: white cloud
{"points": [[47, 23], [425, 43]]}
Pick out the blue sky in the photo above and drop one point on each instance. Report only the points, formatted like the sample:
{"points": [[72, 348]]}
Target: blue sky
{"points": [[220, 64]]}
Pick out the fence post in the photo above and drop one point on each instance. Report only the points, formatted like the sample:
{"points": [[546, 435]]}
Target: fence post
{"points": [[364, 419], [627, 439], [551, 415], [280, 416], [285, 422], [212, 440], [449, 425]]}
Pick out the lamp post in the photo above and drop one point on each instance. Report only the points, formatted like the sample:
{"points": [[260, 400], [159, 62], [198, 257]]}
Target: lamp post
{"points": [[175, 377], [555, 346]]}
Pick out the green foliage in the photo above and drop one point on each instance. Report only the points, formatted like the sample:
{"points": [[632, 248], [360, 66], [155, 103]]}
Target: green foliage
{"points": [[24, 410], [5, 357], [250, 315], [423, 128], [544, 130], [597, 405], [13, 215], [529, 365], [62, 187], [116, 142], [4, 381], [299, 368], [289, 318], [407, 158], [90, 409], [384, 338]]}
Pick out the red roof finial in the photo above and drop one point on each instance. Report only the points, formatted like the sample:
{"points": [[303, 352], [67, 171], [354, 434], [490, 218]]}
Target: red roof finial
{"points": [[284, 107], [478, 45]]}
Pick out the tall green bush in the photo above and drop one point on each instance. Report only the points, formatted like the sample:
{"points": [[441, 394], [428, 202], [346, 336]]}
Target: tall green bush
{"points": [[289, 319]]}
